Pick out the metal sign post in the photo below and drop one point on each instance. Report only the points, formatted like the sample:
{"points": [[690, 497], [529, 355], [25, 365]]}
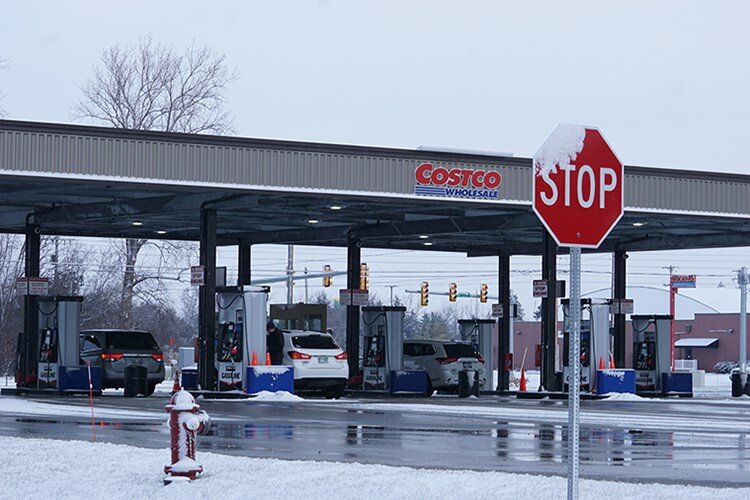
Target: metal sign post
{"points": [[577, 182], [574, 384]]}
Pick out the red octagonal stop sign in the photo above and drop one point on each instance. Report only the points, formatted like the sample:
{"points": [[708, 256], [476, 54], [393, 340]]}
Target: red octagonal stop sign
{"points": [[577, 186]]}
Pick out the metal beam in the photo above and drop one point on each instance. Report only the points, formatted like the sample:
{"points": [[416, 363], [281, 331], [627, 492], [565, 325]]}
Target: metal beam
{"points": [[244, 258], [549, 313], [730, 238], [207, 302], [158, 205], [353, 261], [619, 289], [503, 331], [439, 225], [29, 341]]}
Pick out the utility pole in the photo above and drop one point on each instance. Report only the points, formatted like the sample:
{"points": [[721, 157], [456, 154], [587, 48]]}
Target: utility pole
{"points": [[742, 279], [672, 297], [391, 287], [290, 274]]}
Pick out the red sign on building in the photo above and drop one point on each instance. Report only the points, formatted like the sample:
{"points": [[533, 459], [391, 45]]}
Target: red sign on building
{"points": [[577, 183]]}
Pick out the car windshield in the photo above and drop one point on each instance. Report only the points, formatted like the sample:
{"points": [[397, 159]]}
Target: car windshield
{"points": [[314, 342], [460, 351], [132, 341]]}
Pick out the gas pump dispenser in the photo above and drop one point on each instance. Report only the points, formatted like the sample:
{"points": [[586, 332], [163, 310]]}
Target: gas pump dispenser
{"points": [[595, 340], [241, 330], [59, 361], [478, 332], [383, 345], [650, 351]]}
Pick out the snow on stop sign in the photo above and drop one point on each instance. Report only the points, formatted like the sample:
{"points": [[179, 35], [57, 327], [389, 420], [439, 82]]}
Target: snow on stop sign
{"points": [[577, 186]]}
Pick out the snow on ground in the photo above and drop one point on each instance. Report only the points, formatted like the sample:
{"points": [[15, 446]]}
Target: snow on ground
{"points": [[281, 396], [22, 406], [632, 419], [37, 468]]}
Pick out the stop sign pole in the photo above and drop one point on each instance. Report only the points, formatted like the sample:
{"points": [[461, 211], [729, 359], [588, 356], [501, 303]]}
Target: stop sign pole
{"points": [[578, 196]]}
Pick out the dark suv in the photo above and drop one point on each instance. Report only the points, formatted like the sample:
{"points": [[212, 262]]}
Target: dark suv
{"points": [[113, 350]]}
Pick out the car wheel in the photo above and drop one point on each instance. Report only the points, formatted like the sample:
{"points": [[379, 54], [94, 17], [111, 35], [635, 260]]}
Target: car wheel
{"points": [[430, 390], [334, 392], [151, 389]]}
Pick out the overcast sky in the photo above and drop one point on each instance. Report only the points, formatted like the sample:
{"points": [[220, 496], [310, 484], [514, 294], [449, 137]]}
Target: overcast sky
{"points": [[667, 82]]}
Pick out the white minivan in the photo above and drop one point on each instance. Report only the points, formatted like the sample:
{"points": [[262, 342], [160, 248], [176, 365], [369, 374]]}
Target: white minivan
{"points": [[319, 363], [442, 361]]}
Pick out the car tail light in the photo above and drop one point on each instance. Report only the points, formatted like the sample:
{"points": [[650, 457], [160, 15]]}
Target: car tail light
{"points": [[158, 357], [112, 356], [480, 359], [446, 361], [299, 355], [343, 355]]}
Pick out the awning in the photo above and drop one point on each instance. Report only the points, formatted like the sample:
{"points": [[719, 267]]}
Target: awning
{"points": [[697, 343]]}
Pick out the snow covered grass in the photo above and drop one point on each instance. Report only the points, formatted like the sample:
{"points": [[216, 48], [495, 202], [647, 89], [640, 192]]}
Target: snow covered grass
{"points": [[36, 468]]}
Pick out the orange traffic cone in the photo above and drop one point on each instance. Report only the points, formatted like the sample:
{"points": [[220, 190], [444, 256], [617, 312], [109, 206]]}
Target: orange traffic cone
{"points": [[254, 359], [611, 363], [522, 383], [601, 363], [268, 359]]}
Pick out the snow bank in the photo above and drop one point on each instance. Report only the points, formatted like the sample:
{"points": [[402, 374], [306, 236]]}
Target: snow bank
{"points": [[78, 471], [283, 396], [624, 396]]}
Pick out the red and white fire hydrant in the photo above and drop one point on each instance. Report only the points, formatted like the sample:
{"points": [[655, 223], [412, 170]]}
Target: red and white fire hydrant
{"points": [[186, 419]]}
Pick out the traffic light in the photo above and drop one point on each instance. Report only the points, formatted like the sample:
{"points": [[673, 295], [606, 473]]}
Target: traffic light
{"points": [[364, 277], [483, 293], [452, 292], [424, 291], [327, 279]]}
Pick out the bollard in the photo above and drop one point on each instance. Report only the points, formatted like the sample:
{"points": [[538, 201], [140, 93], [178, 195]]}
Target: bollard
{"points": [[185, 420]]}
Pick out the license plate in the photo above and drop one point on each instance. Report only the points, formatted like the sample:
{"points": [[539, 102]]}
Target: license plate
{"points": [[468, 366], [322, 360]]}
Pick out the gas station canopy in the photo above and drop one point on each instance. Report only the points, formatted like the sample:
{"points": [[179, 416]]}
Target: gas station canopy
{"points": [[94, 181]]}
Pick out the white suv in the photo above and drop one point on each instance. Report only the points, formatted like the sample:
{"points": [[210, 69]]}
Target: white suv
{"points": [[442, 361], [319, 363]]}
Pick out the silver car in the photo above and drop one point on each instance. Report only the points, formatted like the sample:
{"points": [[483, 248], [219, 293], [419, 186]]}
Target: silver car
{"points": [[113, 350]]}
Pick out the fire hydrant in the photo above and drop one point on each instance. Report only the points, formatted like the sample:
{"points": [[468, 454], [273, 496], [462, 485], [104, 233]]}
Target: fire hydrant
{"points": [[185, 420]]}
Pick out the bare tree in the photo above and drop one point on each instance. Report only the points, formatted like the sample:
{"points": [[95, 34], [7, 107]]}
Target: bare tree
{"points": [[11, 267], [3, 65], [150, 86]]}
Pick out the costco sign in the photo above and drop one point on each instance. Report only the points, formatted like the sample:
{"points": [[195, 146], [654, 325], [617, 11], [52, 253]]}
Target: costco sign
{"points": [[457, 182]]}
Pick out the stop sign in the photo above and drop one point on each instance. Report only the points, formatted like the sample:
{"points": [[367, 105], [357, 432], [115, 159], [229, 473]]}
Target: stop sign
{"points": [[577, 186]]}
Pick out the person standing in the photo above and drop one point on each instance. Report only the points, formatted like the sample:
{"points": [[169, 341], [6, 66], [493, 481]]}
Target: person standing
{"points": [[275, 343]]}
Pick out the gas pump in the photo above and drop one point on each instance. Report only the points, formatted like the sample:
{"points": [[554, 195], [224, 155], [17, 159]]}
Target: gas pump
{"points": [[47, 368], [241, 330], [650, 351], [478, 332], [59, 361], [595, 340], [383, 345]]}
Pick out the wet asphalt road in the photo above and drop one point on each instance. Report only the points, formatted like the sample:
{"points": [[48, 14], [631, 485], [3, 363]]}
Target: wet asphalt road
{"points": [[374, 431]]}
